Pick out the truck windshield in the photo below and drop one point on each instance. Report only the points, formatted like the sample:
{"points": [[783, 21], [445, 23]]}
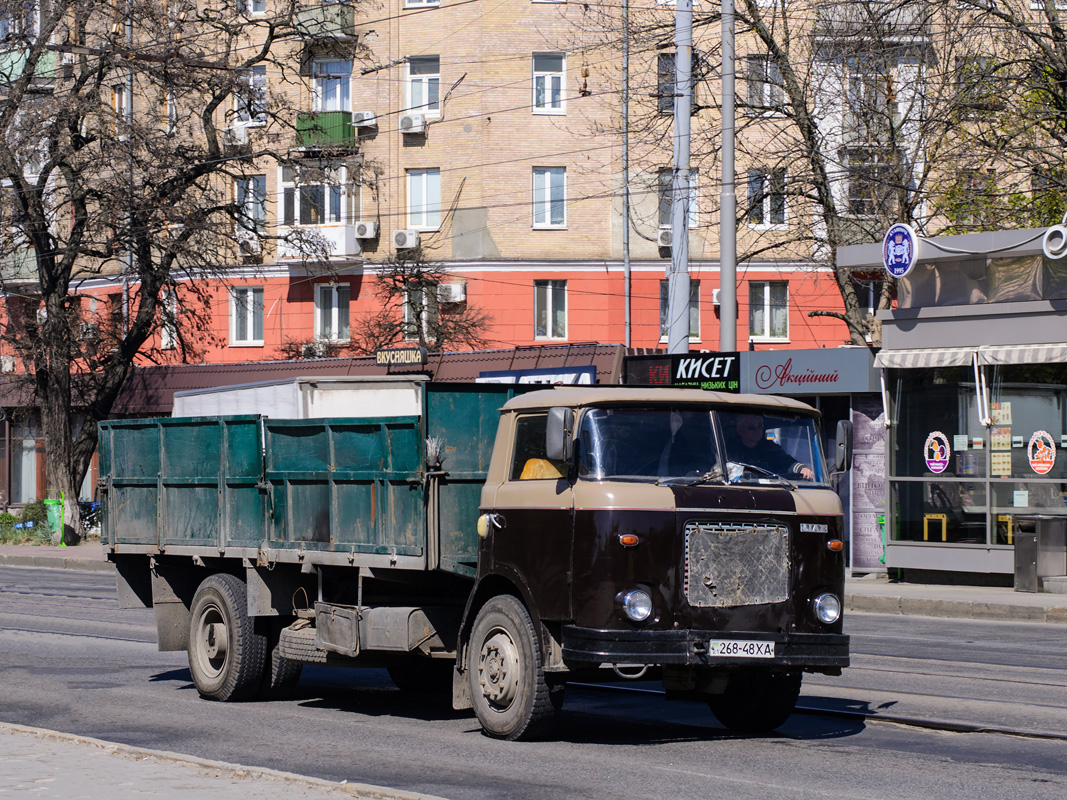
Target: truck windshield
{"points": [[652, 443], [761, 445]]}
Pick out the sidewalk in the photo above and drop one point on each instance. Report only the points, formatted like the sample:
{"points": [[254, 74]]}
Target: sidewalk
{"points": [[874, 594], [46, 765]]}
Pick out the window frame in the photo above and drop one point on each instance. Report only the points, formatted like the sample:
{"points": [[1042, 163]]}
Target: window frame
{"points": [[328, 301], [296, 197], [430, 312], [769, 96], [769, 180], [665, 178], [559, 105], [322, 83], [252, 80], [694, 310], [767, 307], [168, 328], [542, 200], [248, 301], [431, 109], [551, 287], [252, 205], [426, 217]]}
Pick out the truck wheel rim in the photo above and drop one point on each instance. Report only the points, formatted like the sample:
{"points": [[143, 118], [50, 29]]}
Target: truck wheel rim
{"points": [[498, 669], [213, 636]]}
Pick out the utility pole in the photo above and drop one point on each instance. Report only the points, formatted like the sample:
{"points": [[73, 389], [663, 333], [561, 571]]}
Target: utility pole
{"points": [[626, 162], [678, 277], [728, 196]]}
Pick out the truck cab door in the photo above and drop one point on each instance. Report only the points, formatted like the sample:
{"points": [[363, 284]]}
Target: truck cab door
{"points": [[531, 540]]}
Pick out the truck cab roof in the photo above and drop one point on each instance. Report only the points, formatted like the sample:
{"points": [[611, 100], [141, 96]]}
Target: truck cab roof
{"points": [[575, 397]]}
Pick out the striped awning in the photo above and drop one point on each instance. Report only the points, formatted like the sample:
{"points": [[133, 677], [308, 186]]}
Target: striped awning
{"points": [[1023, 354], [930, 357]]}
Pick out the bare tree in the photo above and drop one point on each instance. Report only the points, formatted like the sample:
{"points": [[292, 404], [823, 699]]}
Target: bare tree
{"points": [[415, 303], [119, 155]]}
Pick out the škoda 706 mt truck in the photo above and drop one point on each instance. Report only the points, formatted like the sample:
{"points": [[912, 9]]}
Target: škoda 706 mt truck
{"points": [[500, 543]]}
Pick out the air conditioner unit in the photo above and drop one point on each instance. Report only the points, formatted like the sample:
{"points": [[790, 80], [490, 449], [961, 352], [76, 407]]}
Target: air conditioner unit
{"points": [[405, 240], [715, 297], [366, 230], [451, 292], [663, 238], [235, 136], [364, 119], [412, 123]]}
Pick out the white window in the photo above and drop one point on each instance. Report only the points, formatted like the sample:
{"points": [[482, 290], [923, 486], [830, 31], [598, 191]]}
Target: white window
{"points": [[549, 197], [314, 197], [250, 96], [420, 303], [172, 111], [766, 198], [550, 309], [333, 79], [768, 311], [424, 85], [766, 90], [424, 199], [421, 3], [249, 7], [666, 197], [251, 198], [665, 68], [548, 72], [664, 310], [120, 102], [168, 322], [331, 312], [872, 181], [246, 315]]}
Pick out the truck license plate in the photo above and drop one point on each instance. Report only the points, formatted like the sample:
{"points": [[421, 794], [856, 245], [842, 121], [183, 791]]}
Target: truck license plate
{"points": [[737, 648]]}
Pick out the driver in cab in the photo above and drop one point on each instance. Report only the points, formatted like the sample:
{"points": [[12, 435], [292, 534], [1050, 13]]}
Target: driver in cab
{"points": [[750, 445]]}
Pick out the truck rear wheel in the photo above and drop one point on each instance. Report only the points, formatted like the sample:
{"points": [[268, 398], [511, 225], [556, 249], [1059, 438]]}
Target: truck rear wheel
{"points": [[226, 653], [757, 701], [510, 695]]}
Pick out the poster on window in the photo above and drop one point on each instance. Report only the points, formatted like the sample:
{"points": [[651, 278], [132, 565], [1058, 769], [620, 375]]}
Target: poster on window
{"points": [[867, 547]]}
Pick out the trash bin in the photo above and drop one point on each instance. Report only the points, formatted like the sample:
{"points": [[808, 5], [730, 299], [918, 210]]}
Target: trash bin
{"points": [[54, 509], [1040, 550]]}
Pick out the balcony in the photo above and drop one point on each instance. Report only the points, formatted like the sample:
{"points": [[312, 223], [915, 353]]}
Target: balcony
{"points": [[315, 241], [873, 21], [325, 130], [327, 21], [19, 267]]}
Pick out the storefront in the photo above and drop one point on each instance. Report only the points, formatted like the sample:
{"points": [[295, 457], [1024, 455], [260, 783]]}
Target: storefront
{"points": [[841, 382], [974, 385]]}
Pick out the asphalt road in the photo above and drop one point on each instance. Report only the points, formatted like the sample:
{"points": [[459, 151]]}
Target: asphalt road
{"points": [[71, 660]]}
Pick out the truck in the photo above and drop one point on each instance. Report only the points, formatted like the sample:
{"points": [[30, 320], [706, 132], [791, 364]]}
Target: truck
{"points": [[495, 541]]}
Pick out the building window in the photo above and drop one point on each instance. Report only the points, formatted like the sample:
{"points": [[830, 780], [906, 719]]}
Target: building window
{"points": [[548, 70], [168, 322], [424, 199], [666, 197], [331, 312], [766, 198], [312, 198], [550, 309], [252, 6], [246, 315], [666, 86], [424, 85], [766, 90], [872, 185], [549, 197], [664, 310], [768, 310], [120, 102], [250, 96], [251, 198], [976, 201], [172, 111], [420, 313], [333, 79], [421, 3]]}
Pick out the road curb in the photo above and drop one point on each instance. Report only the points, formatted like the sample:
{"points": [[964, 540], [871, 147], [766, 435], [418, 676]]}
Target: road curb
{"points": [[56, 562], [960, 609], [358, 790]]}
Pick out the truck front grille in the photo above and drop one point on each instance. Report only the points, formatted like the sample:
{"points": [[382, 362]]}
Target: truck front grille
{"points": [[735, 564]]}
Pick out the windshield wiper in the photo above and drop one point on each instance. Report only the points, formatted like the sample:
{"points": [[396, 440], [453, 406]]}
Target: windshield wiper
{"points": [[773, 476], [712, 475]]}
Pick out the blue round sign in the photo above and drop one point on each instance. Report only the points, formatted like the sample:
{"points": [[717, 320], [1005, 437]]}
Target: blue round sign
{"points": [[899, 250]]}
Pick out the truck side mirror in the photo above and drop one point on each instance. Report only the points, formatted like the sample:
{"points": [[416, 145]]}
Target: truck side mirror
{"points": [[843, 454], [559, 434]]}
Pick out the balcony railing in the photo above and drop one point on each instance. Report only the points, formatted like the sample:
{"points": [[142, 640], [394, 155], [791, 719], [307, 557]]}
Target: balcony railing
{"points": [[325, 129], [327, 21], [872, 20], [331, 241]]}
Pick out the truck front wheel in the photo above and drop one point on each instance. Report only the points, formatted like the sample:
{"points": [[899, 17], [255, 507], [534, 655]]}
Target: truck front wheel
{"points": [[226, 654], [757, 701], [511, 697]]}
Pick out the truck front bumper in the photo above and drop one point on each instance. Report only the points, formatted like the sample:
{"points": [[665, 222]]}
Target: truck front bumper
{"points": [[692, 648]]}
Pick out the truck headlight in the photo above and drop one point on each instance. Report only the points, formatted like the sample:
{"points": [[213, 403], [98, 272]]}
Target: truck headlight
{"points": [[637, 605], [827, 608]]}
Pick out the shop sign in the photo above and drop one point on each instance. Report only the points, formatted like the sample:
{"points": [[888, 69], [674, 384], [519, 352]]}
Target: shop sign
{"points": [[1041, 452], [839, 370], [720, 372], [900, 250], [937, 452], [549, 375], [392, 356]]}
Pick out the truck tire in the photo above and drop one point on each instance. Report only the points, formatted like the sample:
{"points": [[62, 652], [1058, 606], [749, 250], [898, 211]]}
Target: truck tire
{"points": [[508, 689], [280, 674], [757, 701], [226, 653]]}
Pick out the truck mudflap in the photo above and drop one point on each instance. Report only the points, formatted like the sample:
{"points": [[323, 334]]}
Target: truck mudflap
{"points": [[705, 648]]}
